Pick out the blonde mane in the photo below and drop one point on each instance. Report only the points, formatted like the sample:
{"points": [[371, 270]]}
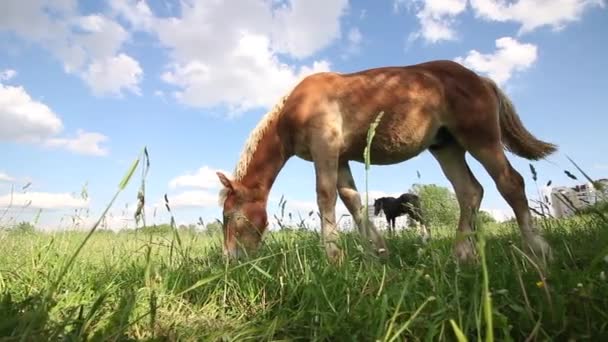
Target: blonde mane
{"points": [[252, 143]]}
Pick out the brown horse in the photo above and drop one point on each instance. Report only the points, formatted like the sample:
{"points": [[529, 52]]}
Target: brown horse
{"points": [[439, 105]]}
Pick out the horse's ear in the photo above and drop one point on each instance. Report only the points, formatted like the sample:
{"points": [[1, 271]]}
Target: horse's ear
{"points": [[227, 183]]}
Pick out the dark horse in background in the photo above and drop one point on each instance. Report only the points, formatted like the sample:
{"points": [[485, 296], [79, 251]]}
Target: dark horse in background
{"points": [[406, 204]]}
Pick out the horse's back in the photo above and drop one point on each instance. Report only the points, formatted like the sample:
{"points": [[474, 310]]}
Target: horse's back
{"points": [[339, 108]]}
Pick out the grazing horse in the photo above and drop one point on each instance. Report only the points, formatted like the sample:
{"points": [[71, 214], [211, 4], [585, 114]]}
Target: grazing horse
{"points": [[440, 106], [406, 204]]}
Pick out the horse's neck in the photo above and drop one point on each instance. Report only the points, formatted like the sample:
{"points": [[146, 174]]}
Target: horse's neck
{"points": [[266, 162]]}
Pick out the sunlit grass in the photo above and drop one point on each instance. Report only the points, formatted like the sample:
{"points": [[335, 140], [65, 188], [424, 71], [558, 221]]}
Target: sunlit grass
{"points": [[175, 285], [129, 285]]}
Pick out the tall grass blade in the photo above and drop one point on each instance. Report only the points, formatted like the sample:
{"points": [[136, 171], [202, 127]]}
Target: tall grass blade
{"points": [[371, 132], [460, 337]]}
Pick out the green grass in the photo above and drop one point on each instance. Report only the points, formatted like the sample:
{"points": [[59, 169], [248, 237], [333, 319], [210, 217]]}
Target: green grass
{"points": [[142, 286]]}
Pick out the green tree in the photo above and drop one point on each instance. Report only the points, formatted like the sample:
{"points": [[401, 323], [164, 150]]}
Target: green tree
{"points": [[439, 204], [485, 217]]}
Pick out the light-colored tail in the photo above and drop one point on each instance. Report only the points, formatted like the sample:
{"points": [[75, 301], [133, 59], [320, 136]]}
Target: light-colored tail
{"points": [[515, 137]]}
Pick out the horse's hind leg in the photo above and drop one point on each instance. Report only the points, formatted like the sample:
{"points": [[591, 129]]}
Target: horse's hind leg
{"points": [[352, 200], [511, 186], [468, 191]]}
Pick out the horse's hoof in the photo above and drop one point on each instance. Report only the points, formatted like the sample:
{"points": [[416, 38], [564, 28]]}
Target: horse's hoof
{"points": [[382, 253], [538, 248], [464, 252], [334, 253]]}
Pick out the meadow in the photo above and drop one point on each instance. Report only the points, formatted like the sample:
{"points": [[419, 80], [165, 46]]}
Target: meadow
{"points": [[169, 283], [173, 284]]}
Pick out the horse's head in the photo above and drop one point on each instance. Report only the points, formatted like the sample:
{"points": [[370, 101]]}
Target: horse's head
{"points": [[377, 206], [245, 218]]}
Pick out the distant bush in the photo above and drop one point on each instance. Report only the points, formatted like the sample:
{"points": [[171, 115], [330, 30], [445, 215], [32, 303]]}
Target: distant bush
{"points": [[24, 227], [485, 217], [213, 228]]}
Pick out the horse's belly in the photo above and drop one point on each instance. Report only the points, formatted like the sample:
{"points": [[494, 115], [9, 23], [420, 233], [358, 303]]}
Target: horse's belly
{"points": [[382, 156], [394, 144]]}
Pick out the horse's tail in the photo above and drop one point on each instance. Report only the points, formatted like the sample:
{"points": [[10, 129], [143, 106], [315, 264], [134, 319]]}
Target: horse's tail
{"points": [[516, 138]]}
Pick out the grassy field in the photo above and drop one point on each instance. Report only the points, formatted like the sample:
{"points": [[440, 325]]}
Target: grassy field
{"points": [[161, 286]]}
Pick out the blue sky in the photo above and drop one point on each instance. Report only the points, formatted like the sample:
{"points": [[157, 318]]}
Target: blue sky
{"points": [[84, 87]]}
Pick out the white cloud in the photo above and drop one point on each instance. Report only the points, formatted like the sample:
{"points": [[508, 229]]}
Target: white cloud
{"points": [[80, 42], [300, 36], [86, 143], [6, 178], [43, 200], [532, 14], [24, 119], [193, 199], [7, 75], [510, 56], [114, 74], [137, 13], [218, 58], [437, 18], [236, 80], [205, 178]]}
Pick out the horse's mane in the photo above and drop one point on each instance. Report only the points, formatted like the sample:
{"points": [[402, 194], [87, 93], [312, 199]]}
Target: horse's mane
{"points": [[252, 143]]}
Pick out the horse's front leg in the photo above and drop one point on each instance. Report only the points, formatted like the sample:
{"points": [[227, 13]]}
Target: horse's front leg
{"points": [[326, 172]]}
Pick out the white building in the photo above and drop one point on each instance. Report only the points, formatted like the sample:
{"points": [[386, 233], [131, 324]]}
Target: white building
{"points": [[565, 200]]}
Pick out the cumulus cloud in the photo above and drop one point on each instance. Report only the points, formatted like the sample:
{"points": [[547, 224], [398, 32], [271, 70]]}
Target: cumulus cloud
{"points": [[26, 120], [87, 143], [236, 80], [113, 75], [436, 17], [218, 58], [295, 33], [205, 178], [510, 56], [532, 14], [82, 43], [43, 200], [193, 199]]}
